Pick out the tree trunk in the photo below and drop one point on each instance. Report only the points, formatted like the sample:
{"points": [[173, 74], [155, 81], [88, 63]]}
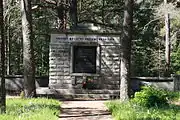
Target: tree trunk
{"points": [[126, 50], [2, 88], [28, 52], [8, 47], [167, 42], [73, 13], [62, 14], [7, 34]]}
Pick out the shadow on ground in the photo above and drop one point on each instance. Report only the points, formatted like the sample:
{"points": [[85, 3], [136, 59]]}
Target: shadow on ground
{"points": [[82, 112]]}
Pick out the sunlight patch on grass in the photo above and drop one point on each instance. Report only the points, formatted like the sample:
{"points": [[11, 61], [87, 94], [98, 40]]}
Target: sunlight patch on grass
{"points": [[31, 109]]}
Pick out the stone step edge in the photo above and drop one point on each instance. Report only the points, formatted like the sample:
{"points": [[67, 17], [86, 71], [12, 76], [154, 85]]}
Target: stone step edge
{"points": [[75, 91], [83, 96]]}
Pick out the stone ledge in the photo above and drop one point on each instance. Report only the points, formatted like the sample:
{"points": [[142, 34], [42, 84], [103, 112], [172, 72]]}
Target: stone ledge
{"points": [[46, 90], [84, 74], [55, 94]]}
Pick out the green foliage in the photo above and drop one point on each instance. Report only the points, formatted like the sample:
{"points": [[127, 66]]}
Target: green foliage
{"points": [[176, 60], [31, 109], [146, 44], [151, 97], [121, 110], [42, 21], [22, 95], [131, 111]]}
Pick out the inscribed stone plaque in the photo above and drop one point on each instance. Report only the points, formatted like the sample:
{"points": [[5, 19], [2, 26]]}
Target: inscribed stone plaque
{"points": [[84, 59]]}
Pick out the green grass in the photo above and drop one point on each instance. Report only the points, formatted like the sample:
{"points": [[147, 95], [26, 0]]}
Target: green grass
{"points": [[131, 111], [31, 109], [148, 104]]}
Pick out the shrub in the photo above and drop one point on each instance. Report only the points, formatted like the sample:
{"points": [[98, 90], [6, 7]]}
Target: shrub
{"points": [[130, 111], [148, 104], [151, 97]]}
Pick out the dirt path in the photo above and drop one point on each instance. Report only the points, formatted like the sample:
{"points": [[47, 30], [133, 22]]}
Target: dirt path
{"points": [[84, 110]]}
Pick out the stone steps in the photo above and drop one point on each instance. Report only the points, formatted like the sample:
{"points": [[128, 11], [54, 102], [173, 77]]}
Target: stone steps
{"points": [[78, 93]]}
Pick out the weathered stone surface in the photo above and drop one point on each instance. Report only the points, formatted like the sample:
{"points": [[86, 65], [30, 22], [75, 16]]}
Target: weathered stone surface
{"points": [[61, 86], [60, 60], [176, 82]]}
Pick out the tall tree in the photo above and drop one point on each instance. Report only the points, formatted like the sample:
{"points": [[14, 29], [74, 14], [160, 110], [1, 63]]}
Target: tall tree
{"points": [[167, 40], [126, 50], [2, 87], [62, 13], [28, 52], [73, 13], [61, 7]]}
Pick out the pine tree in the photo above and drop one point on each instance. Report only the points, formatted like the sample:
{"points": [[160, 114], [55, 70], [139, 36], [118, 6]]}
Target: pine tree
{"points": [[126, 50], [2, 60], [28, 52]]}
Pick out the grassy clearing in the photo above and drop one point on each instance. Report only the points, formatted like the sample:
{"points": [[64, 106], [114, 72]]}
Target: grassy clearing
{"points": [[148, 104], [31, 109]]}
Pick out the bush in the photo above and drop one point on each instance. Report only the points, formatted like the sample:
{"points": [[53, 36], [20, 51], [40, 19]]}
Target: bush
{"points": [[151, 97], [148, 104], [131, 111]]}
